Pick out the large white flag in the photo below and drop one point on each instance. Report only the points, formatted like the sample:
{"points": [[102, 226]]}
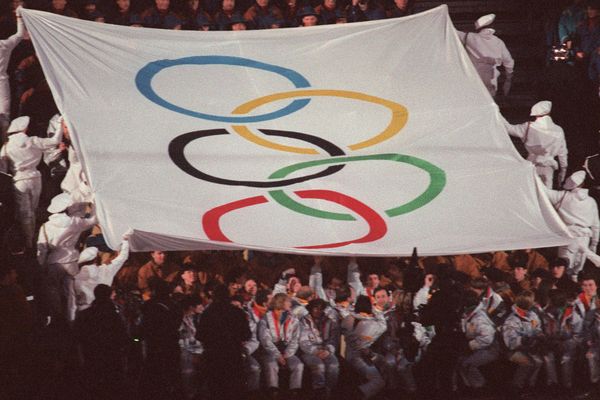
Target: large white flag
{"points": [[367, 139]]}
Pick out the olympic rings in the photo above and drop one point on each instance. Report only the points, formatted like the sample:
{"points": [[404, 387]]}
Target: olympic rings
{"points": [[177, 149], [398, 121], [377, 226], [143, 81], [300, 98], [436, 175]]}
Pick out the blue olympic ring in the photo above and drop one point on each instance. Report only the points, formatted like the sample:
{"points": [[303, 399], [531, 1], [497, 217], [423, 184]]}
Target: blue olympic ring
{"points": [[143, 81]]}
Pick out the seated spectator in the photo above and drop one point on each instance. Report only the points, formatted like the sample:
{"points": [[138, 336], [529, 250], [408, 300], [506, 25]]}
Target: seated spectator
{"points": [[161, 16], [307, 17], [90, 11], [196, 19], [259, 14], [364, 10], [290, 11], [279, 335], [60, 7], [521, 333], [120, 13], [187, 283], [327, 12], [224, 15], [399, 8], [483, 349], [318, 343], [157, 268], [237, 23]]}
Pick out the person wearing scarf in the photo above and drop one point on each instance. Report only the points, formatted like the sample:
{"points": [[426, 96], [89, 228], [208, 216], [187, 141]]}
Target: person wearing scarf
{"points": [[318, 342], [521, 334], [562, 330], [482, 348], [279, 334]]}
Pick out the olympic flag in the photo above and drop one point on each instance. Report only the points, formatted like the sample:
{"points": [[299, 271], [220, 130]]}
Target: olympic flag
{"points": [[366, 139]]}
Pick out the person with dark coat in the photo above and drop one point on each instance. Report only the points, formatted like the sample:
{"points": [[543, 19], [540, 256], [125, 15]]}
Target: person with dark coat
{"points": [[222, 329], [101, 333], [161, 320]]}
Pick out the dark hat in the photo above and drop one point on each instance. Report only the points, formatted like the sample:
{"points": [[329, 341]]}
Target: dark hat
{"points": [[340, 14], [237, 18], [202, 20], [86, 2], [305, 11]]}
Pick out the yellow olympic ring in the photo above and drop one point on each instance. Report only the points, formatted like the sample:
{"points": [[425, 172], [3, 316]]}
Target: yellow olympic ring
{"points": [[399, 118]]}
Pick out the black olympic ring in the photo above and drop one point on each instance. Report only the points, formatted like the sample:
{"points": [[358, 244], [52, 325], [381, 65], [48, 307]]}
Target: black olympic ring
{"points": [[177, 147]]}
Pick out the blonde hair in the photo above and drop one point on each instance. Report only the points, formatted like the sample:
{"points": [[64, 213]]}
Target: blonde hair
{"points": [[278, 301]]}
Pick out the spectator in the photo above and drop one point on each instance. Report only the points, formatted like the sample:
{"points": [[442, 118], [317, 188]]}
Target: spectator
{"points": [[103, 339], [318, 345], [196, 18], [361, 330], [161, 320], [260, 13], [364, 10], [223, 328], [60, 7], [399, 8], [224, 16], [90, 11], [308, 17], [120, 13], [569, 21], [521, 333], [588, 32], [279, 335], [482, 347], [161, 16], [327, 12], [157, 268]]}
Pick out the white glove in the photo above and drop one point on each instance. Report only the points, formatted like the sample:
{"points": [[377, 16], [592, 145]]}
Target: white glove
{"points": [[18, 11], [127, 234]]}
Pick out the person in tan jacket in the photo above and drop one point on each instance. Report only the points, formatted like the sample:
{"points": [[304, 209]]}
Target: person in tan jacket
{"points": [[156, 268]]}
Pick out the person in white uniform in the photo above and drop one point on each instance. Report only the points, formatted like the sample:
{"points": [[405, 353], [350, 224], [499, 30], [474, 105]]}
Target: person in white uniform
{"points": [[57, 251], [580, 213], [488, 52], [544, 141], [93, 273], [20, 156], [6, 48]]}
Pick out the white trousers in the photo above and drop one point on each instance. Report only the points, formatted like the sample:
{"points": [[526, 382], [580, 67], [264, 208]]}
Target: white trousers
{"points": [[27, 197], [576, 258]]}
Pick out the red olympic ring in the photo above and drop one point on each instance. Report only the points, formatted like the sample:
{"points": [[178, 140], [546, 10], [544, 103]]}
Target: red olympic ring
{"points": [[377, 226]]}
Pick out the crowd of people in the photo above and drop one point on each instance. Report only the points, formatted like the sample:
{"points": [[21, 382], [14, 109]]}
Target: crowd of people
{"points": [[247, 324]]}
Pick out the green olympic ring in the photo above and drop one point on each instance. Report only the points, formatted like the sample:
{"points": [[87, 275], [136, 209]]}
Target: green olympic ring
{"points": [[437, 183]]}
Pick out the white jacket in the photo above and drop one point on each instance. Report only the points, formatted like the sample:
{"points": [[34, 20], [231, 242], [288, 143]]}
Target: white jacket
{"points": [[487, 52], [544, 141], [59, 236], [7, 46], [92, 275], [578, 211], [24, 153]]}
